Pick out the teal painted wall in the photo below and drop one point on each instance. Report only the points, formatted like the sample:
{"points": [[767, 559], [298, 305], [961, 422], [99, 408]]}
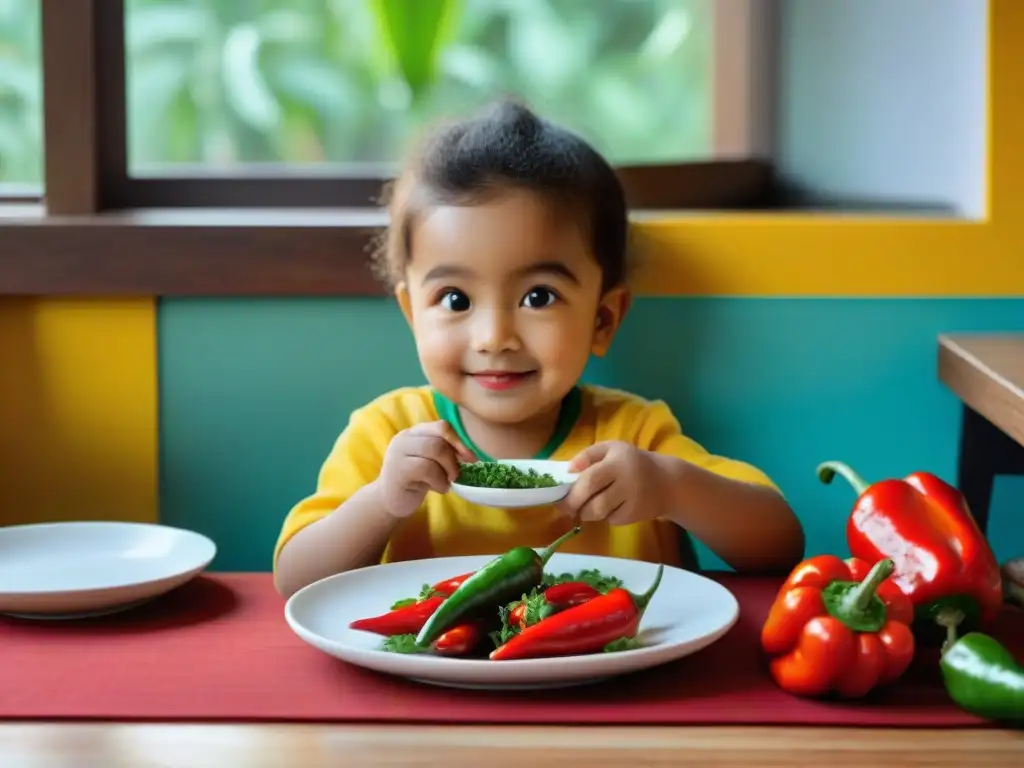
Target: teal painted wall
{"points": [[253, 393]]}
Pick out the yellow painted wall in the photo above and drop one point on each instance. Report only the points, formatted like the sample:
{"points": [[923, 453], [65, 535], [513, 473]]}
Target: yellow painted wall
{"points": [[78, 410], [800, 254], [78, 379]]}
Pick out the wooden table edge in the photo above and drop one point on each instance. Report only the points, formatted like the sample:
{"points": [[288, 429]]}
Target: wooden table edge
{"points": [[977, 385], [55, 744], [950, 342]]}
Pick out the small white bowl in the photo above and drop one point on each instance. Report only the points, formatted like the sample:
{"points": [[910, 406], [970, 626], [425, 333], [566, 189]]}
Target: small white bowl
{"points": [[517, 498]]}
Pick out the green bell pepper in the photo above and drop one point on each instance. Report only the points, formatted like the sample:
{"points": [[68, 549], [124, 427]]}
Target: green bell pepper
{"points": [[981, 675]]}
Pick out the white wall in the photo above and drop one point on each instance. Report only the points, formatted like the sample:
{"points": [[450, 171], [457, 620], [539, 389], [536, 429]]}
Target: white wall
{"points": [[884, 100]]}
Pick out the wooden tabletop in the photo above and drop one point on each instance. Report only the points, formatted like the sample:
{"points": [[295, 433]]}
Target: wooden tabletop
{"points": [[99, 745], [986, 371]]}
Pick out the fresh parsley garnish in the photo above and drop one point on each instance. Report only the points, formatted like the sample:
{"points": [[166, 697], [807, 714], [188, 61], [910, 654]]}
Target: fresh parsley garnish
{"points": [[426, 592], [599, 581], [402, 644], [623, 644]]}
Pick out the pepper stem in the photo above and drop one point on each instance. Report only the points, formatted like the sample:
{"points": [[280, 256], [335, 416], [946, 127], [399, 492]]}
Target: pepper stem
{"points": [[860, 597], [549, 550], [641, 601], [829, 469], [950, 618]]}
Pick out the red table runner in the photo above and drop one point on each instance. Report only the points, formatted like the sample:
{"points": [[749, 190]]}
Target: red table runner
{"points": [[219, 649]]}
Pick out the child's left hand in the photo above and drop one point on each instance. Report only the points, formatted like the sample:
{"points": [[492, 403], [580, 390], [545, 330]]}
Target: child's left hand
{"points": [[618, 483]]}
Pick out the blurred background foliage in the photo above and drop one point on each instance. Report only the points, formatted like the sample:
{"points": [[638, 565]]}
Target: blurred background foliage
{"points": [[219, 83]]}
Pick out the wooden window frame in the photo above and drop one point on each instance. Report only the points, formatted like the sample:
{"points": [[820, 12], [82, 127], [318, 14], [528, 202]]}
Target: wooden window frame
{"points": [[99, 231]]}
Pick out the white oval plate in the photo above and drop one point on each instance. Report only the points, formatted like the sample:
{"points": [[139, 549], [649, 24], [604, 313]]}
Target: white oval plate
{"points": [[77, 569], [686, 614], [519, 498]]}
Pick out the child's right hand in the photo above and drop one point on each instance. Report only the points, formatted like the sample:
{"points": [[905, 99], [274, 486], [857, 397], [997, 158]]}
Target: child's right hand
{"points": [[419, 459]]}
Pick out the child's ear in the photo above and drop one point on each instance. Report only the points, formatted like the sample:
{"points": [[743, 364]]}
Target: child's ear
{"points": [[404, 303], [610, 313]]}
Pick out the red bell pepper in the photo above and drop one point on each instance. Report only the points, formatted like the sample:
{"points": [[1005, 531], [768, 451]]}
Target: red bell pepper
{"points": [[838, 627], [585, 628], [402, 620], [943, 561]]}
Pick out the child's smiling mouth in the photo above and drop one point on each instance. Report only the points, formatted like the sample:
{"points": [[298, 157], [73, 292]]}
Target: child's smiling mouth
{"points": [[500, 380]]}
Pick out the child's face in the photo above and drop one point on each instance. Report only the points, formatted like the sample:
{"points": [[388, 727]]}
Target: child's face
{"points": [[505, 302]]}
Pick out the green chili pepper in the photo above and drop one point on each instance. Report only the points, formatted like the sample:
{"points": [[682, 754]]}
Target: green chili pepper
{"points": [[501, 581], [980, 674]]}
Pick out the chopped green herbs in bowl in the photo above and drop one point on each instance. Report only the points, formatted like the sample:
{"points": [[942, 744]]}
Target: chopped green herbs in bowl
{"points": [[493, 474], [514, 483]]}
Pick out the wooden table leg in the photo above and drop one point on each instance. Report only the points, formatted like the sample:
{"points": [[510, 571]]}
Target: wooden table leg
{"points": [[985, 451]]}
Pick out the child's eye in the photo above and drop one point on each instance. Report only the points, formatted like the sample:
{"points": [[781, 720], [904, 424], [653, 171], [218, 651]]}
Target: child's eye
{"points": [[536, 298], [455, 301]]}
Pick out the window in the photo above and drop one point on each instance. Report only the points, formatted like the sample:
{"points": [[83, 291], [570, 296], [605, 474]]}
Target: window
{"points": [[231, 104], [21, 106], [166, 119], [219, 83]]}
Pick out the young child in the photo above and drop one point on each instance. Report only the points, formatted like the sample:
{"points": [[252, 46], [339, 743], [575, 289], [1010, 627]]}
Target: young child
{"points": [[507, 256]]}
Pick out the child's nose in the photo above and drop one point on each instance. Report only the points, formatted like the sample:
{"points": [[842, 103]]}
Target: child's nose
{"points": [[496, 331]]}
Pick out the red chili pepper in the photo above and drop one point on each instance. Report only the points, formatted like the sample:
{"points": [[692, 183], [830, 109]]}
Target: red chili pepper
{"points": [[459, 640], [517, 616], [447, 586], [943, 561], [409, 619], [584, 628], [569, 593]]}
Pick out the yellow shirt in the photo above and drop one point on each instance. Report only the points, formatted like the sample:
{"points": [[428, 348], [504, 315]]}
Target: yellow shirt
{"points": [[447, 525]]}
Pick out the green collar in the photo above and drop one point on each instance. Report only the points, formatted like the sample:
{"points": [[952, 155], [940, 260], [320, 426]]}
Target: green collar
{"points": [[569, 413]]}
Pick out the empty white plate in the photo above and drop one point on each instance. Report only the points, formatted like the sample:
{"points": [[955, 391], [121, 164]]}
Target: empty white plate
{"points": [[687, 613], [75, 569], [518, 498]]}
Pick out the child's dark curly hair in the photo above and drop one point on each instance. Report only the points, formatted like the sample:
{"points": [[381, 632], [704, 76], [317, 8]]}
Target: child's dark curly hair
{"points": [[506, 146]]}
